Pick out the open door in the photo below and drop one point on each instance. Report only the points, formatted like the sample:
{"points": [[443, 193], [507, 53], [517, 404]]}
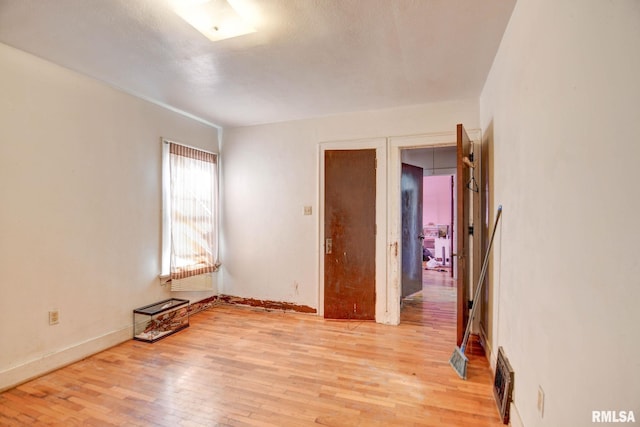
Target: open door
{"points": [[411, 188], [350, 234], [463, 174]]}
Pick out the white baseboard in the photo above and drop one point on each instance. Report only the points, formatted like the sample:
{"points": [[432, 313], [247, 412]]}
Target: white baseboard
{"points": [[488, 350], [49, 362], [514, 417]]}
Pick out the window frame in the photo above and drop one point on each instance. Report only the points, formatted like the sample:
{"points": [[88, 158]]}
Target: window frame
{"points": [[165, 262]]}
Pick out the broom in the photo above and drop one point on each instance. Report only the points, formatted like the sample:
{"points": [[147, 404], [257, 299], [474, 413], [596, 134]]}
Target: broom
{"points": [[458, 360]]}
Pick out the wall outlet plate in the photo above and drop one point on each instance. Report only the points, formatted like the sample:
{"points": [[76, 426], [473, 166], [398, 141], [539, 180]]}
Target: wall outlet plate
{"points": [[540, 401]]}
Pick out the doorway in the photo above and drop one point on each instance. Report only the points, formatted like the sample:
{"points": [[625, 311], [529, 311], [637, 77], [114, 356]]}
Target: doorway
{"points": [[438, 222], [429, 145], [388, 251], [427, 224]]}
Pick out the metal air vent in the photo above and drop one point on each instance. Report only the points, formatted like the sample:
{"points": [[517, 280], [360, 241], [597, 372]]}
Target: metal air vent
{"points": [[503, 385]]}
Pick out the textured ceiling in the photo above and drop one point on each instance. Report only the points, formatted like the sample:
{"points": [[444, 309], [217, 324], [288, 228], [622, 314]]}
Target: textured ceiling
{"points": [[308, 58]]}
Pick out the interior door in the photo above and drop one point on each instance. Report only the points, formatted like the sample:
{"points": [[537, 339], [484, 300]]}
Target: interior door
{"points": [[463, 175], [411, 188], [349, 229], [452, 225]]}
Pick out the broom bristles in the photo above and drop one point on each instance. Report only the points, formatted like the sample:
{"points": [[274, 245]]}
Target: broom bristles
{"points": [[459, 363]]}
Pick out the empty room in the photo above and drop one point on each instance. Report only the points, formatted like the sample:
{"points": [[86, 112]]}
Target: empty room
{"points": [[207, 217]]}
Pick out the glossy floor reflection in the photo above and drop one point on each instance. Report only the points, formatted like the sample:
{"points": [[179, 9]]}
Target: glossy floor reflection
{"points": [[237, 366]]}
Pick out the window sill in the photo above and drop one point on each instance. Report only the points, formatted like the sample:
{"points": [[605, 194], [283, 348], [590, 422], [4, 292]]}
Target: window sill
{"points": [[165, 279]]}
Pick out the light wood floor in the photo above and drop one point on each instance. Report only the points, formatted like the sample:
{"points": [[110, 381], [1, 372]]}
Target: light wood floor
{"points": [[245, 367]]}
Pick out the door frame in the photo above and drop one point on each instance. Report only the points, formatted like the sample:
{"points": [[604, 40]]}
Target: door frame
{"points": [[396, 144], [380, 145]]}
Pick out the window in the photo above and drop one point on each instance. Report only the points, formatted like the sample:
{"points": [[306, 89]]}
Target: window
{"points": [[190, 211]]}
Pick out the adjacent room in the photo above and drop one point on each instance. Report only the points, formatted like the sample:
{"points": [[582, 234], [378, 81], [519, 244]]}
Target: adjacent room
{"points": [[206, 218]]}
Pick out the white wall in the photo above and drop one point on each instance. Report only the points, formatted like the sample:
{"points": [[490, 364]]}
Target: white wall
{"points": [[561, 110], [80, 219], [270, 249], [434, 161]]}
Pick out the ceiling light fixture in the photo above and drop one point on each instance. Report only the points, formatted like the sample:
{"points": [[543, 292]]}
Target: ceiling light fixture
{"points": [[217, 19]]}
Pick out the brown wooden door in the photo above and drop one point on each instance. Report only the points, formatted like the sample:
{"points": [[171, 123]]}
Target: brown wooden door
{"points": [[463, 175], [350, 227], [411, 188]]}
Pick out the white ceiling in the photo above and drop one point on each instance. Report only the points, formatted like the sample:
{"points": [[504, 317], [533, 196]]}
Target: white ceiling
{"points": [[308, 58]]}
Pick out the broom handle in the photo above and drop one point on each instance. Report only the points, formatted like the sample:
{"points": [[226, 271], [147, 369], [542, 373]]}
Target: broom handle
{"points": [[485, 263]]}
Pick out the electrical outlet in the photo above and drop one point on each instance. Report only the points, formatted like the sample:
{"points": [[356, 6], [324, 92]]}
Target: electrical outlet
{"points": [[54, 317], [307, 210], [540, 401]]}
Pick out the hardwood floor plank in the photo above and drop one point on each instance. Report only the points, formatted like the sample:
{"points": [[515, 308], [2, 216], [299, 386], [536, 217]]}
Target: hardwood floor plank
{"points": [[239, 367]]}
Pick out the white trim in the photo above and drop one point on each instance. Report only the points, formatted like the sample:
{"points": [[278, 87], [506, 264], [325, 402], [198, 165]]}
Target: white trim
{"points": [[394, 214], [488, 349], [434, 139], [162, 105], [388, 264], [165, 258], [380, 145], [34, 368], [165, 255], [514, 416]]}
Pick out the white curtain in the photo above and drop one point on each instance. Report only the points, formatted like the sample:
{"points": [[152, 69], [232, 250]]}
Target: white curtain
{"points": [[194, 222]]}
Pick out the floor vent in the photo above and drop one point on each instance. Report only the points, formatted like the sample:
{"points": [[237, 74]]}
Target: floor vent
{"points": [[503, 385]]}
